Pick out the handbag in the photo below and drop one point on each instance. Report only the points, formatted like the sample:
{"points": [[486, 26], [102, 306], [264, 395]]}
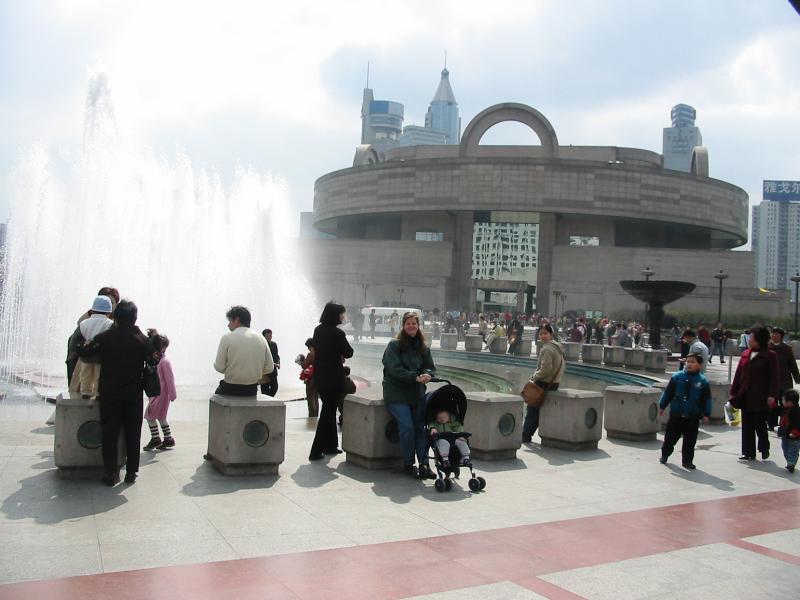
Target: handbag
{"points": [[151, 384], [533, 394]]}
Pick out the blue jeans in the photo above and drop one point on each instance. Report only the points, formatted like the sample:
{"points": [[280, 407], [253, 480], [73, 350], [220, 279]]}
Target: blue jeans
{"points": [[791, 450], [411, 428], [531, 422], [718, 349]]}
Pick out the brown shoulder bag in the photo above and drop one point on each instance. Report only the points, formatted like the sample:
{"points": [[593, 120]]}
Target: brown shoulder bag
{"points": [[533, 394]]}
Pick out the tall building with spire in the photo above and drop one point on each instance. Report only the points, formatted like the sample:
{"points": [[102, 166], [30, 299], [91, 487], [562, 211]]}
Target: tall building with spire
{"points": [[443, 111], [681, 138]]}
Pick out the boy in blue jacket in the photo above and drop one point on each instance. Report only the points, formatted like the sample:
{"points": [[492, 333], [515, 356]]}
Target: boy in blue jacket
{"points": [[689, 397]]}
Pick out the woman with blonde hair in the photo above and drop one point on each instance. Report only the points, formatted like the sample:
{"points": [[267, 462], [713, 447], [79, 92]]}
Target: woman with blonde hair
{"points": [[407, 368]]}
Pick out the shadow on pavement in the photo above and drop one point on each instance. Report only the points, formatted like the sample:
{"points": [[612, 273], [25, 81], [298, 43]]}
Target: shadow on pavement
{"points": [[702, 477], [207, 481]]}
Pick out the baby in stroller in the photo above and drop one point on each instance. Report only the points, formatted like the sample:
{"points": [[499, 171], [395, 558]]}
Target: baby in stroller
{"points": [[447, 423], [445, 409]]}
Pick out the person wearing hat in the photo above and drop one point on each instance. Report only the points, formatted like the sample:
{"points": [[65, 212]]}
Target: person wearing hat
{"points": [[695, 346], [86, 376]]}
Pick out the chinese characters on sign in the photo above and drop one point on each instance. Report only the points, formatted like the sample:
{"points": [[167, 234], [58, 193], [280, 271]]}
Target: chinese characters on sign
{"points": [[781, 190]]}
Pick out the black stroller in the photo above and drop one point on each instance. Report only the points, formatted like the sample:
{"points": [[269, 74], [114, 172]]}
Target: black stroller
{"points": [[453, 400]]}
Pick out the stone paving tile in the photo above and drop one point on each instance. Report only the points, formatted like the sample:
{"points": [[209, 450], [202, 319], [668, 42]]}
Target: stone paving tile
{"points": [[20, 562], [145, 554], [505, 589], [783, 541]]}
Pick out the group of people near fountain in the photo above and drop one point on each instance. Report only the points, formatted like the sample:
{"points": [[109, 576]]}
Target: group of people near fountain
{"points": [[108, 359]]}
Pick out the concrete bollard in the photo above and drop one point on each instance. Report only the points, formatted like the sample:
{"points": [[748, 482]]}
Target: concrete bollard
{"points": [[473, 343], [369, 434], [631, 412], [449, 341], [634, 358], [79, 436], [495, 421], [246, 435], [592, 353], [613, 356], [655, 361], [572, 350], [571, 419], [524, 347], [499, 345], [720, 392]]}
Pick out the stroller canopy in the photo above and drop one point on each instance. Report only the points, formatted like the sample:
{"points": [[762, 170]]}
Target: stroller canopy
{"points": [[449, 398]]}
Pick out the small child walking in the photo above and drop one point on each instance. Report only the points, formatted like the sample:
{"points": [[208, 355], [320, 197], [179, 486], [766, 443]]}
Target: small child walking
{"points": [[157, 408], [446, 423], [789, 430], [689, 397], [86, 378]]}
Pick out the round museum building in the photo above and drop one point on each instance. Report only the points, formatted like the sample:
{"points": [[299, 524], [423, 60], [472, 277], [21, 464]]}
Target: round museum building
{"points": [[466, 225]]}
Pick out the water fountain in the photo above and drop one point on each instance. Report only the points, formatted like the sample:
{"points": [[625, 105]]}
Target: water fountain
{"points": [[168, 235], [656, 294]]}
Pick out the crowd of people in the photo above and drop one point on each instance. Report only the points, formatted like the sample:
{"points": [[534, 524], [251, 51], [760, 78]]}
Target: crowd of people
{"points": [[110, 359]]}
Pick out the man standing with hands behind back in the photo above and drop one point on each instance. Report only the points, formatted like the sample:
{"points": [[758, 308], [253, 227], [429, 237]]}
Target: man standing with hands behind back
{"points": [[271, 388], [243, 357]]}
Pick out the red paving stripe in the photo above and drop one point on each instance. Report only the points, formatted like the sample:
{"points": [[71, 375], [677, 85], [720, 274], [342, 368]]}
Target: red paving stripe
{"points": [[547, 589], [407, 568], [758, 548]]}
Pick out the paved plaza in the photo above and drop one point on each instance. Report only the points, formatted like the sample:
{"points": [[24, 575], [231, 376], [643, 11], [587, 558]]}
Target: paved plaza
{"points": [[610, 523]]}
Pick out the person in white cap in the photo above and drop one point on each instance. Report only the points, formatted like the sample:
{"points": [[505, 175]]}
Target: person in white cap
{"points": [[87, 372]]}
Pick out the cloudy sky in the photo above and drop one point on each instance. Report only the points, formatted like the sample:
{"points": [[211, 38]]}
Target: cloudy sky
{"points": [[277, 85]]}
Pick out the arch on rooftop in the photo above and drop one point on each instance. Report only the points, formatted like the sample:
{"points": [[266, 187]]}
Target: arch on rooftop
{"points": [[509, 111], [366, 154], [700, 161]]}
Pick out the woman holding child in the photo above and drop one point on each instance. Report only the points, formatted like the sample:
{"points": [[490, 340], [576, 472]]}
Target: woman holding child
{"points": [[407, 368]]}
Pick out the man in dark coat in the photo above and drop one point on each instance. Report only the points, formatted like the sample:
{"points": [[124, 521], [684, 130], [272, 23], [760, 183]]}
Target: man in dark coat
{"points": [[123, 351], [755, 391], [271, 388], [789, 373]]}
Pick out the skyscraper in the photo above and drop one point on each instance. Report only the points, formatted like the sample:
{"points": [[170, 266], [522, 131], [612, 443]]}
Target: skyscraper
{"points": [[381, 120], [443, 111], [681, 138], [776, 235]]}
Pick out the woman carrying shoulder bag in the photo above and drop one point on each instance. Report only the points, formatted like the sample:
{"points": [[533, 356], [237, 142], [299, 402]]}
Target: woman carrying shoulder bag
{"points": [[547, 376]]}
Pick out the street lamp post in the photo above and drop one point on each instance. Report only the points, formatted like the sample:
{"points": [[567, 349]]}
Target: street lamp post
{"points": [[796, 279], [721, 276], [556, 295], [400, 291], [364, 287]]}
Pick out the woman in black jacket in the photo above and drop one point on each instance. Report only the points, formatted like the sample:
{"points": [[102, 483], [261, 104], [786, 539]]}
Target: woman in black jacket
{"points": [[123, 350], [331, 348]]}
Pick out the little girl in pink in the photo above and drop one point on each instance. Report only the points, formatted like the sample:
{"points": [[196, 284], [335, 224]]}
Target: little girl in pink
{"points": [[156, 412]]}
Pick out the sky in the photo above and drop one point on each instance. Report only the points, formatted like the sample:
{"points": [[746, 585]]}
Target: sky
{"points": [[277, 86]]}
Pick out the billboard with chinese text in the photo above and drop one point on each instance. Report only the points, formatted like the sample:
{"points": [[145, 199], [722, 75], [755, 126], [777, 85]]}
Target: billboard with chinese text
{"points": [[782, 190]]}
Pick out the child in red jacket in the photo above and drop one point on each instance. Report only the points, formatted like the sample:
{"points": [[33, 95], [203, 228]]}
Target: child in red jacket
{"points": [[790, 429]]}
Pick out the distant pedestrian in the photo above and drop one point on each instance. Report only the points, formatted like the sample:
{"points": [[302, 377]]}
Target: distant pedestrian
{"points": [[394, 318], [689, 398], [694, 346], [744, 340], [157, 408], [718, 343], [271, 387], [372, 324], [358, 325], [306, 362], [789, 430], [623, 337], [755, 391]]}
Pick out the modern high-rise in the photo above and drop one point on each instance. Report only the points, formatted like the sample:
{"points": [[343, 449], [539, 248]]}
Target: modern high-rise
{"points": [[443, 111], [776, 235], [381, 121], [2, 236], [681, 139]]}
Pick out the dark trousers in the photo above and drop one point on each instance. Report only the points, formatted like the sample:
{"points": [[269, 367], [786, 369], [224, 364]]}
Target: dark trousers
{"points": [[754, 424], [327, 437], [411, 431], [676, 427], [531, 422], [271, 388], [236, 389], [117, 414]]}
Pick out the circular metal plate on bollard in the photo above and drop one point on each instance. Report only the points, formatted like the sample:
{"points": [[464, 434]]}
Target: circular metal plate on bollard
{"points": [[391, 432], [90, 435], [590, 418], [506, 424], [652, 412], [255, 434]]}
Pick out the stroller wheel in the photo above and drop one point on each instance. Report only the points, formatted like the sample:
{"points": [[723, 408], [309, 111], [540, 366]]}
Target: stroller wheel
{"points": [[474, 484], [448, 485], [482, 482], [440, 485]]}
